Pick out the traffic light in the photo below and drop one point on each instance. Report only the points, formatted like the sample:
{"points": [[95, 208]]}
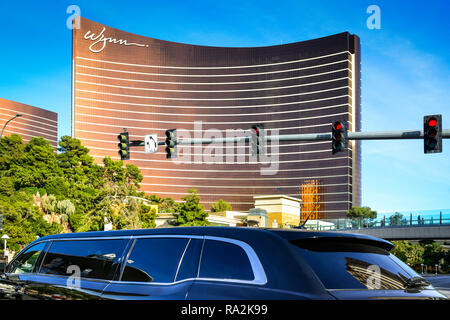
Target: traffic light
{"points": [[257, 141], [124, 146], [171, 143], [339, 142], [432, 133]]}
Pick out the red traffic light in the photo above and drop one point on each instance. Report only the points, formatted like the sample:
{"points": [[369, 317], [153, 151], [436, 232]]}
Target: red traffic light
{"points": [[337, 125], [432, 122]]}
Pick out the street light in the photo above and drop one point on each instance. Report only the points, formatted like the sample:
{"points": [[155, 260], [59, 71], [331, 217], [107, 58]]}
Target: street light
{"points": [[5, 237], [16, 116]]}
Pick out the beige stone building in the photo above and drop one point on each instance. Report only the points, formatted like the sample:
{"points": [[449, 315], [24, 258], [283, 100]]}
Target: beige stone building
{"points": [[281, 210]]}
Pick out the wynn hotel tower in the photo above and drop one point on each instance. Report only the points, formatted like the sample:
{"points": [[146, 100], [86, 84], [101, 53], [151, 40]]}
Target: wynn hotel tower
{"points": [[122, 80]]}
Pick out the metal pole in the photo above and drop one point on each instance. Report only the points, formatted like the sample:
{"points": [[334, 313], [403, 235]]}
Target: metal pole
{"points": [[374, 135], [16, 116]]}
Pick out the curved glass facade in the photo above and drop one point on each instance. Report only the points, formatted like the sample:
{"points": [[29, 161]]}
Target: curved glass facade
{"points": [[122, 80], [34, 122]]}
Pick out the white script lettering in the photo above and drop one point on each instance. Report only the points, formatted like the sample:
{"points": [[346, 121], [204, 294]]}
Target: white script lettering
{"points": [[99, 41]]}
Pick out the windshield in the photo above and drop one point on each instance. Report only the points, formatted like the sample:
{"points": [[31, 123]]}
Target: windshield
{"points": [[341, 264]]}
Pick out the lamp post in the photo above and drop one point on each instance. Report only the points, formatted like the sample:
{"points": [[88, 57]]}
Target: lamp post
{"points": [[16, 116], [5, 237]]}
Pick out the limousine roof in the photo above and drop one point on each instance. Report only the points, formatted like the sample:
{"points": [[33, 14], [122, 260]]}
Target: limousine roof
{"points": [[240, 233]]}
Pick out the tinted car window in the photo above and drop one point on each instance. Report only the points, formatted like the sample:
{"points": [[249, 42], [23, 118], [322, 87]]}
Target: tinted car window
{"points": [[189, 264], [346, 265], [154, 260], [96, 259], [224, 260], [27, 260]]}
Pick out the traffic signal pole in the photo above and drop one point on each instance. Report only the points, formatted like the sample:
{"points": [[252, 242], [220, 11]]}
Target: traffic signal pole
{"points": [[374, 135], [371, 135], [432, 134]]}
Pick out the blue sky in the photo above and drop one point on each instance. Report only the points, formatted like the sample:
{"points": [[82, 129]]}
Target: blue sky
{"points": [[405, 68]]}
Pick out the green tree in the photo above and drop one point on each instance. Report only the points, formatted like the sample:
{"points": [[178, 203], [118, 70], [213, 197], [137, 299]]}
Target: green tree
{"points": [[36, 166], [190, 212], [147, 216], [410, 253], [74, 160], [361, 212], [6, 186], [23, 221], [362, 216], [11, 151], [433, 253], [397, 219], [221, 206], [48, 204], [75, 193]]}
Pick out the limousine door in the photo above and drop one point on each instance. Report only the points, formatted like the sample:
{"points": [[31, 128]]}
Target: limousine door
{"points": [[44, 287], [23, 282], [157, 268], [71, 269]]}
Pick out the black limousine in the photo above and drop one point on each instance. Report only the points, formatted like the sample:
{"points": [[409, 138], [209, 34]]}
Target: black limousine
{"points": [[204, 263]]}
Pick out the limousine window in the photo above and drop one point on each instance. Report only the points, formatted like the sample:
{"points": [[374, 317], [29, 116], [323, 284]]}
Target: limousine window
{"points": [[355, 265], [224, 260], [154, 260], [189, 264], [27, 260], [97, 259]]}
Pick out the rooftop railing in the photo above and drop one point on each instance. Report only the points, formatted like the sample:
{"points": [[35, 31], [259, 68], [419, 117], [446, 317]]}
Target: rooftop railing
{"points": [[386, 222]]}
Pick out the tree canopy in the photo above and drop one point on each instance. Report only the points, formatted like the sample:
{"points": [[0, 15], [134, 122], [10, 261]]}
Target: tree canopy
{"points": [[43, 192], [397, 219], [361, 212], [220, 206], [190, 212]]}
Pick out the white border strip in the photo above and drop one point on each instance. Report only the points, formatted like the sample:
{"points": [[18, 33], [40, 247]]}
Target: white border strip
{"points": [[17, 121], [211, 75], [211, 122], [201, 154], [215, 114], [249, 178], [229, 164], [32, 115], [217, 107], [224, 67], [20, 120], [211, 83], [235, 195], [55, 135], [190, 130], [240, 187], [210, 91], [216, 99], [28, 135]]}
